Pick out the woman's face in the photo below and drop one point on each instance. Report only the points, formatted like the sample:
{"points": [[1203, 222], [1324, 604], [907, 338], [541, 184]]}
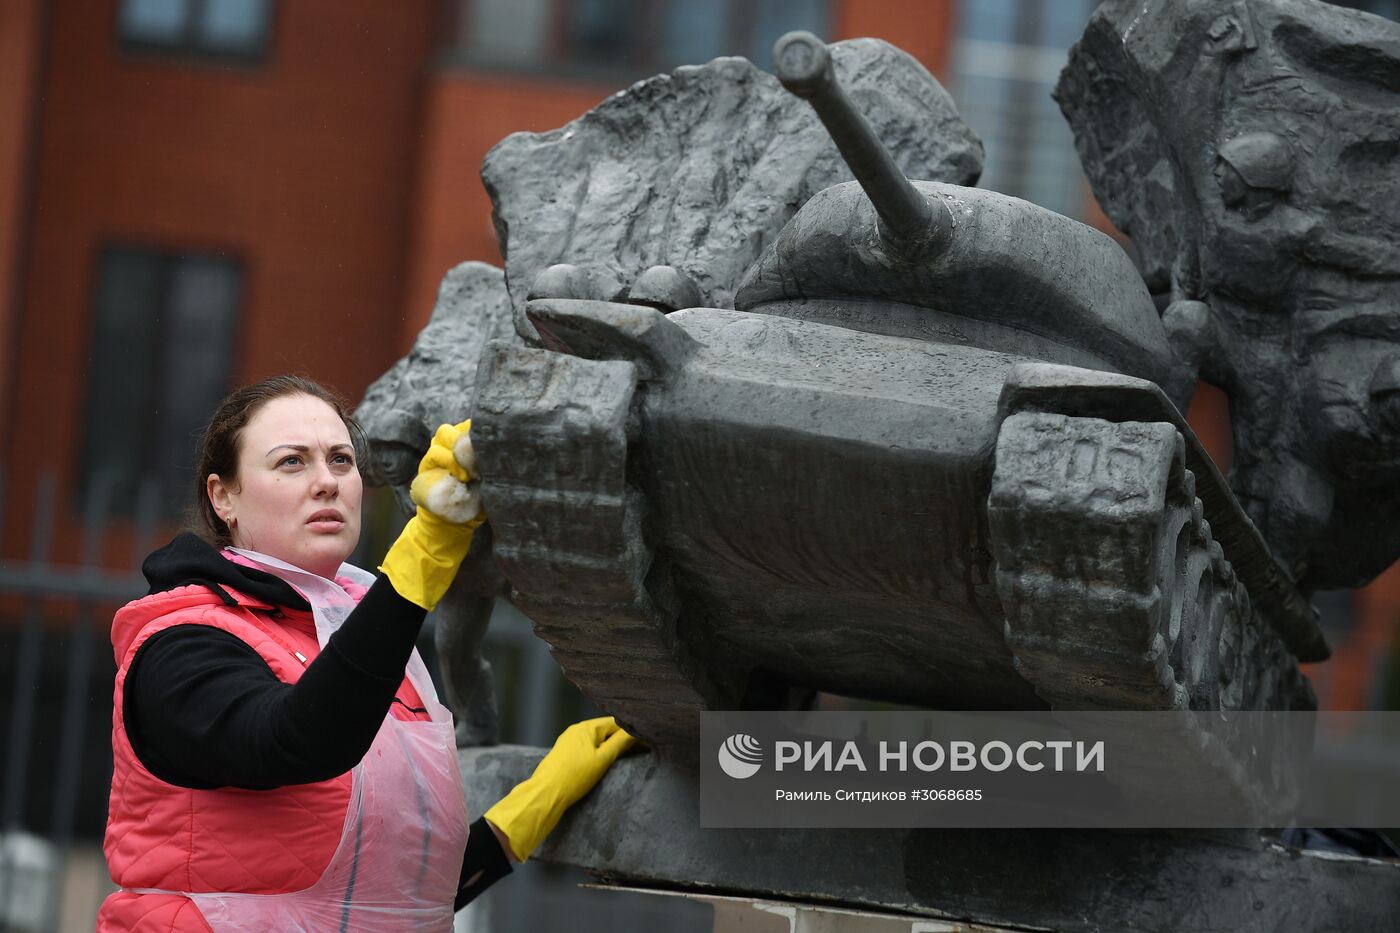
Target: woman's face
{"points": [[298, 490]]}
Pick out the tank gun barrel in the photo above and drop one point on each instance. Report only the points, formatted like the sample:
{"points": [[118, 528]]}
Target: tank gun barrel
{"points": [[803, 65]]}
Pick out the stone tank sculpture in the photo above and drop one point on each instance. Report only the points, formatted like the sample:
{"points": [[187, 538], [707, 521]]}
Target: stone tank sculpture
{"points": [[914, 446], [704, 167]]}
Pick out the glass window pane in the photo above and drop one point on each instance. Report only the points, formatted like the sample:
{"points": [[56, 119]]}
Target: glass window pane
{"points": [[604, 30], [204, 296], [1062, 23], [234, 25], [508, 32], [121, 373], [1055, 179], [1390, 9], [694, 31], [989, 20], [1007, 59], [982, 101], [153, 20], [775, 17]]}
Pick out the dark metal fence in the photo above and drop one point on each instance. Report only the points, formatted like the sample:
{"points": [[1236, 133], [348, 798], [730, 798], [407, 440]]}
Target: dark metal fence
{"points": [[56, 696]]}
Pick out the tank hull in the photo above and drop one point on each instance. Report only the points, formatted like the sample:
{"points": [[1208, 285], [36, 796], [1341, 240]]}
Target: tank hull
{"points": [[840, 541]]}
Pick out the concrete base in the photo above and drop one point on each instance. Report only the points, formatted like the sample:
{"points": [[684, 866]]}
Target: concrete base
{"points": [[641, 826], [757, 915]]}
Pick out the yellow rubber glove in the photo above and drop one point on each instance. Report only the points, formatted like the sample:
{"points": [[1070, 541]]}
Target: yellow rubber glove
{"points": [[425, 558], [580, 756]]}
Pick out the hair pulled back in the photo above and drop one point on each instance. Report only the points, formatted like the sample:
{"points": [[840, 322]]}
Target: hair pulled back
{"points": [[223, 438]]}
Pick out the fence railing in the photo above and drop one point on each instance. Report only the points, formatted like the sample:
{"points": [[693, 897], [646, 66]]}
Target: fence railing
{"points": [[57, 759]]}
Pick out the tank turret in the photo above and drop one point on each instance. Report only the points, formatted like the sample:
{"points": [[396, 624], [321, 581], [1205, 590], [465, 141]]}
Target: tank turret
{"points": [[1003, 273]]}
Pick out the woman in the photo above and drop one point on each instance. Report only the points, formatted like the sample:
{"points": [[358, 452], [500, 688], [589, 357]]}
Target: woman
{"points": [[280, 760]]}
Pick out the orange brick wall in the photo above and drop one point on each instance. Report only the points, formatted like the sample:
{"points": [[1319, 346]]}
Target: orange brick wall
{"points": [[301, 165], [1347, 681], [923, 28], [466, 113], [20, 42]]}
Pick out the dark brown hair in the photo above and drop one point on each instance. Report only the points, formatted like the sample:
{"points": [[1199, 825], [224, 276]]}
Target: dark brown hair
{"points": [[219, 447]]}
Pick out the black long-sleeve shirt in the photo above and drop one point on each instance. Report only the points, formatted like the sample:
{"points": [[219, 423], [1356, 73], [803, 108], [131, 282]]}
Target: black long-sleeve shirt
{"points": [[203, 709]]}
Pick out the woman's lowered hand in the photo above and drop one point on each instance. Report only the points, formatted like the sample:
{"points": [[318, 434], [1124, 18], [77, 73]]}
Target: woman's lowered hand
{"points": [[580, 757]]}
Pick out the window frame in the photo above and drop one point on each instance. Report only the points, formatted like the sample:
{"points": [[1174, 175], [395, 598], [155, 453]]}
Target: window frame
{"points": [[560, 60], [147, 422], [1019, 65], [190, 47]]}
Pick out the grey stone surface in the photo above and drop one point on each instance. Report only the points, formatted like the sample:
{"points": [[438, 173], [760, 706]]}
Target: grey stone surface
{"points": [[804, 65], [700, 168], [974, 253], [1117, 594], [436, 384], [640, 826], [1249, 149]]}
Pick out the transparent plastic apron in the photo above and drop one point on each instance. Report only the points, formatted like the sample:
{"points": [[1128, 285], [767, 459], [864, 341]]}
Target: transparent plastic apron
{"points": [[400, 854]]}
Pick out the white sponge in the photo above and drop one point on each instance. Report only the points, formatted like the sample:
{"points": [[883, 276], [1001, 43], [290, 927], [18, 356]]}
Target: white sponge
{"points": [[447, 497], [465, 454]]}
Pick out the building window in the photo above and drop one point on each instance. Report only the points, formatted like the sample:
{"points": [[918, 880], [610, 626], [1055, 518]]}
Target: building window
{"points": [[160, 358], [624, 38], [221, 29], [604, 31], [1006, 60], [1390, 9]]}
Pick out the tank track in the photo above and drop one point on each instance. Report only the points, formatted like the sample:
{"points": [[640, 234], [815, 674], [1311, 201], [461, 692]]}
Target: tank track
{"points": [[1117, 597], [1116, 594], [570, 536]]}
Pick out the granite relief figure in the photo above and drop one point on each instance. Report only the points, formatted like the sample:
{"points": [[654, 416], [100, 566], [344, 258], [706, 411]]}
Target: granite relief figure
{"points": [[760, 416], [1249, 150]]}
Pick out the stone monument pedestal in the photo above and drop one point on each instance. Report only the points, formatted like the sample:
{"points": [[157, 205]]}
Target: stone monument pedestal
{"points": [[640, 828]]}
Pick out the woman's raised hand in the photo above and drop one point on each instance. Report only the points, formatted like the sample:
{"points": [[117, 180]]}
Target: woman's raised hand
{"points": [[423, 561], [444, 484]]}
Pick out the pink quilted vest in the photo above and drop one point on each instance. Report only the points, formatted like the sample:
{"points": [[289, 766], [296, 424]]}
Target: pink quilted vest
{"points": [[182, 839]]}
